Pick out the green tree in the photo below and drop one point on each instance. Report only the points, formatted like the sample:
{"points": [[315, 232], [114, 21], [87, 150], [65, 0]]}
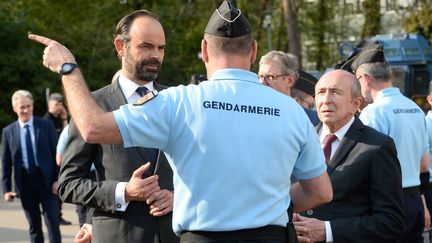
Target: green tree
{"points": [[371, 12], [420, 20]]}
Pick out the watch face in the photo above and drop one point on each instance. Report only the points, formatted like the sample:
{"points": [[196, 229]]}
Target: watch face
{"points": [[67, 68]]}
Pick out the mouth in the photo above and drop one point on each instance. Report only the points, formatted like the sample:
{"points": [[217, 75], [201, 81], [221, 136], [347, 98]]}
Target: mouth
{"points": [[151, 67]]}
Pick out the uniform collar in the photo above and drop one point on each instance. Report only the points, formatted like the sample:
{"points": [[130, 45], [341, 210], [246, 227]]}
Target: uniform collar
{"points": [[387, 92], [235, 74]]}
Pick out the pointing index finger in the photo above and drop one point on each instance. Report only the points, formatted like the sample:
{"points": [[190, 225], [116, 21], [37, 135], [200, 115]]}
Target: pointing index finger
{"points": [[41, 39]]}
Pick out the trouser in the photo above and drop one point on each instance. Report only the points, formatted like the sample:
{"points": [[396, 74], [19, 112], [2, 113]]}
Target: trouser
{"points": [[414, 216], [266, 234], [33, 194]]}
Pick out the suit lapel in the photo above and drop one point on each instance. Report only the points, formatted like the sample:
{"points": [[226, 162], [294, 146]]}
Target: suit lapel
{"points": [[117, 96], [346, 145], [119, 99], [16, 134], [36, 126]]}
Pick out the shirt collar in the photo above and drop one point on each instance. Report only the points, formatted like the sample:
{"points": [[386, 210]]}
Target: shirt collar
{"points": [[387, 92], [339, 133], [128, 86], [22, 124], [235, 74]]}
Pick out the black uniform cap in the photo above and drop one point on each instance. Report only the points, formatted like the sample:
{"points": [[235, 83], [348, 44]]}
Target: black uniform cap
{"points": [[368, 54], [228, 21], [306, 83]]}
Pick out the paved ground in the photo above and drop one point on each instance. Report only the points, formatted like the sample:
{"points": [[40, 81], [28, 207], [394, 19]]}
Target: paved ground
{"points": [[14, 226]]}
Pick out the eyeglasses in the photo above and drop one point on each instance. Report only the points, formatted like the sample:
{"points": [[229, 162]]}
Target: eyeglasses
{"points": [[271, 78], [361, 76]]}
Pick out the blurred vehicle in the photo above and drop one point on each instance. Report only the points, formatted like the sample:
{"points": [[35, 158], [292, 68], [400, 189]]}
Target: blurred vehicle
{"points": [[410, 58]]}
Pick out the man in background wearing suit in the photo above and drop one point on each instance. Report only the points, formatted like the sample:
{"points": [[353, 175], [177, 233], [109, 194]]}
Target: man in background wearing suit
{"points": [[367, 203], [138, 210], [29, 148]]}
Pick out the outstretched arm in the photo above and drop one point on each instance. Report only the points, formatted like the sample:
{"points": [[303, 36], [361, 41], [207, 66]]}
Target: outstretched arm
{"points": [[95, 125]]}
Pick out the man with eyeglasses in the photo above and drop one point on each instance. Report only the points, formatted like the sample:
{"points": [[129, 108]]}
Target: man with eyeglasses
{"points": [[279, 70]]}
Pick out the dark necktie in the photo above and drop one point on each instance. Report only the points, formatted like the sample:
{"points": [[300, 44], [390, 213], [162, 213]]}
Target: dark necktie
{"points": [[151, 152], [328, 140], [30, 155], [142, 91]]}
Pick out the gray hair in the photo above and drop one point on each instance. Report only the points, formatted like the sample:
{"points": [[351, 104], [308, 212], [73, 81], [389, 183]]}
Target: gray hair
{"points": [[20, 94], [377, 71], [287, 61], [356, 89]]}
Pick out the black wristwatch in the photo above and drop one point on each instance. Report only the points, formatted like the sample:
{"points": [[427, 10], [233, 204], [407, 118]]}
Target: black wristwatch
{"points": [[67, 68]]}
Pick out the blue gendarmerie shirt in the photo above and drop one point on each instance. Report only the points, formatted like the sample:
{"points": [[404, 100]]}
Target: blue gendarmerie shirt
{"points": [[399, 117], [233, 144], [429, 135]]}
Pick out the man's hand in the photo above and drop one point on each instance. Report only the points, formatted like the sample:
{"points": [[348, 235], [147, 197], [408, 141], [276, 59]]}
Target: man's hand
{"points": [[55, 54], [55, 187], [309, 229], [9, 196], [84, 235], [139, 189], [427, 215], [161, 202]]}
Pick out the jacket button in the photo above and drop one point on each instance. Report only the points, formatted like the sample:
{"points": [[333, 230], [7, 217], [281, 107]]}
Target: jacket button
{"points": [[309, 212]]}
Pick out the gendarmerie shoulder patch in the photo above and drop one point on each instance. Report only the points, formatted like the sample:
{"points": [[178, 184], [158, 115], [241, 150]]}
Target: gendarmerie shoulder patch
{"points": [[150, 95]]}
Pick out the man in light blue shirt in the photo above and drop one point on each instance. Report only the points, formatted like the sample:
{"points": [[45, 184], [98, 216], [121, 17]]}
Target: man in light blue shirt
{"points": [[232, 142], [399, 117]]}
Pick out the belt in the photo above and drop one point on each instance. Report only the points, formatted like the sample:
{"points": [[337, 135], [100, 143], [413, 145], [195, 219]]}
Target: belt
{"points": [[269, 232], [411, 190]]}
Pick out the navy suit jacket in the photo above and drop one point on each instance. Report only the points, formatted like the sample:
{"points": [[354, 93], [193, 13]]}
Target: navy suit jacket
{"points": [[45, 139]]}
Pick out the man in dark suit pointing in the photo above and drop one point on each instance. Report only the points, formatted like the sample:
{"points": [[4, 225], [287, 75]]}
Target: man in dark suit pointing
{"points": [[29, 149], [363, 168]]}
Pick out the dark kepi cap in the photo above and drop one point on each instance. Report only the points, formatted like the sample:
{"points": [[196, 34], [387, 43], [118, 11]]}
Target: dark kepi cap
{"points": [[369, 54], [228, 21], [346, 64], [306, 83]]}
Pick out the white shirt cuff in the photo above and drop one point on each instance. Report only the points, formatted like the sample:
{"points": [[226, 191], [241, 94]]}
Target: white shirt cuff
{"points": [[329, 233], [120, 201]]}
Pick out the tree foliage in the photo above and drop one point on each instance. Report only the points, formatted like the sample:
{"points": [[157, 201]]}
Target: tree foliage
{"points": [[420, 20], [87, 29], [372, 15]]}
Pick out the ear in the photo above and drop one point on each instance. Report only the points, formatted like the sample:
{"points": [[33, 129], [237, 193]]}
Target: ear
{"points": [[357, 102], [292, 79], [254, 51], [120, 46], [429, 99], [204, 53]]}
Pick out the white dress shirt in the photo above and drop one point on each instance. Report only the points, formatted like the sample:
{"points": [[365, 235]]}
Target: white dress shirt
{"points": [[335, 145]]}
